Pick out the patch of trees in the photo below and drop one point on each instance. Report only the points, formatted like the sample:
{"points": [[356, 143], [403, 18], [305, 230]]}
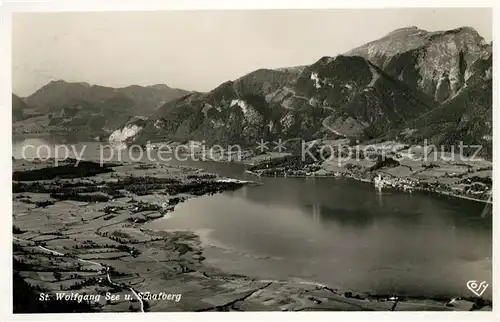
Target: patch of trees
{"points": [[79, 197], [201, 176], [199, 188], [86, 282], [16, 230], [83, 169], [486, 180], [384, 162], [141, 185], [290, 162], [144, 206]]}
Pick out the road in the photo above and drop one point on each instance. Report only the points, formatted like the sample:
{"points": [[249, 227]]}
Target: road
{"points": [[90, 262], [309, 100]]}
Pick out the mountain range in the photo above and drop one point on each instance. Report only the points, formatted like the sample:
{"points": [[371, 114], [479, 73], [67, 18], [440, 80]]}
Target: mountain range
{"points": [[409, 85], [62, 106]]}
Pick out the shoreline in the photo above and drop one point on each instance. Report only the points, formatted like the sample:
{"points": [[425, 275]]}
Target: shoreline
{"points": [[437, 192], [469, 181], [119, 235], [248, 162], [333, 175]]}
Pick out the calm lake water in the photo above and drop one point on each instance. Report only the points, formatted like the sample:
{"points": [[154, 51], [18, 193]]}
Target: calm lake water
{"points": [[338, 232]]}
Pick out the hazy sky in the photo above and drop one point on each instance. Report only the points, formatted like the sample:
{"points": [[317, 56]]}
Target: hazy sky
{"points": [[198, 50]]}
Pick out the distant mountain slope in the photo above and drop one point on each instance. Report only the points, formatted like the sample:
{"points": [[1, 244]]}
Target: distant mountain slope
{"points": [[100, 117], [91, 110], [19, 108], [59, 93]]}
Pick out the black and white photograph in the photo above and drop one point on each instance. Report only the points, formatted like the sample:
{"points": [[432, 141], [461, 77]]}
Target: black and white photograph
{"points": [[251, 160]]}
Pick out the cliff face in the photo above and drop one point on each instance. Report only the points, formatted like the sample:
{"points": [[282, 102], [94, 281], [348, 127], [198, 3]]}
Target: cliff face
{"points": [[437, 63], [466, 117], [129, 132]]}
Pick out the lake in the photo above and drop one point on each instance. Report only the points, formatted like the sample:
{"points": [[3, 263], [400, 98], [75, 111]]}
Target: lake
{"points": [[338, 232]]}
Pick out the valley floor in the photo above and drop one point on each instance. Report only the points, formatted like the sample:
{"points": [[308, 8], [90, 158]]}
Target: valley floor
{"points": [[84, 234]]}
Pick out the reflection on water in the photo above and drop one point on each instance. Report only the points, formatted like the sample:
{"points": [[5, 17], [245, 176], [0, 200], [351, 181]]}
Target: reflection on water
{"points": [[339, 232], [345, 234]]}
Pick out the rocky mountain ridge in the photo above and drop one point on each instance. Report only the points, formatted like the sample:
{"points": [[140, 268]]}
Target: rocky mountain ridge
{"points": [[410, 85], [433, 85], [438, 63]]}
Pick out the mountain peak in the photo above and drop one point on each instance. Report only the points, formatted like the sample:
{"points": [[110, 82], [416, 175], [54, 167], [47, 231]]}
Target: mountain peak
{"points": [[159, 86], [57, 81], [63, 82], [465, 29], [413, 30], [462, 32], [436, 62]]}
